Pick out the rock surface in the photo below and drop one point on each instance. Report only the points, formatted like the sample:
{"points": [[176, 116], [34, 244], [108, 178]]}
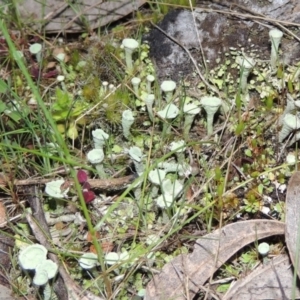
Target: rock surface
{"points": [[219, 27]]}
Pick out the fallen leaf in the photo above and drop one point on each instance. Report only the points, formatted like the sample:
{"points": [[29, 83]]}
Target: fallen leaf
{"points": [[51, 65], [82, 176], [57, 51], [6, 293], [292, 218], [271, 281], [86, 186], [50, 74], [187, 272], [93, 249], [88, 196], [189, 194], [3, 178], [59, 226], [3, 216], [107, 246], [65, 186], [89, 236]]}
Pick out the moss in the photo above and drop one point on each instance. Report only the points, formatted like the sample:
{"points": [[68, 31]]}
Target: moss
{"points": [[115, 104], [91, 90], [74, 58], [102, 63], [231, 202]]}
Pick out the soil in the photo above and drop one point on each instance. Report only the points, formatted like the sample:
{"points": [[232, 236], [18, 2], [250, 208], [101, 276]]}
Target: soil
{"points": [[218, 32]]}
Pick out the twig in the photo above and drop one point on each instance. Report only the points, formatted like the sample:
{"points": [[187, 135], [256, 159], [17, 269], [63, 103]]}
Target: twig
{"points": [[79, 15], [57, 10], [253, 15], [223, 280], [269, 20], [113, 184]]}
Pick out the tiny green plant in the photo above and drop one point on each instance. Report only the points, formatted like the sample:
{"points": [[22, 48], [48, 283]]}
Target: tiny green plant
{"points": [[194, 160]]}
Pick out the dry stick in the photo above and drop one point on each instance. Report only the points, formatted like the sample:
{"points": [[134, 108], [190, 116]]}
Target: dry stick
{"points": [[224, 280], [269, 20], [262, 17], [113, 184], [191, 57], [255, 15], [207, 290], [70, 23], [198, 36], [54, 13]]}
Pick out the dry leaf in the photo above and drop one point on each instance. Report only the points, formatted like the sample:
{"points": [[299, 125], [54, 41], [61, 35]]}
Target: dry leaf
{"points": [[185, 273], [6, 293], [89, 236], [3, 216], [59, 226], [93, 249], [271, 281], [189, 194], [107, 246], [51, 65], [3, 179], [57, 51], [292, 217]]}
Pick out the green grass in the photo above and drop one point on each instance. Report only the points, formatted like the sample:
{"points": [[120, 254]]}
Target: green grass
{"points": [[229, 179], [45, 125]]}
